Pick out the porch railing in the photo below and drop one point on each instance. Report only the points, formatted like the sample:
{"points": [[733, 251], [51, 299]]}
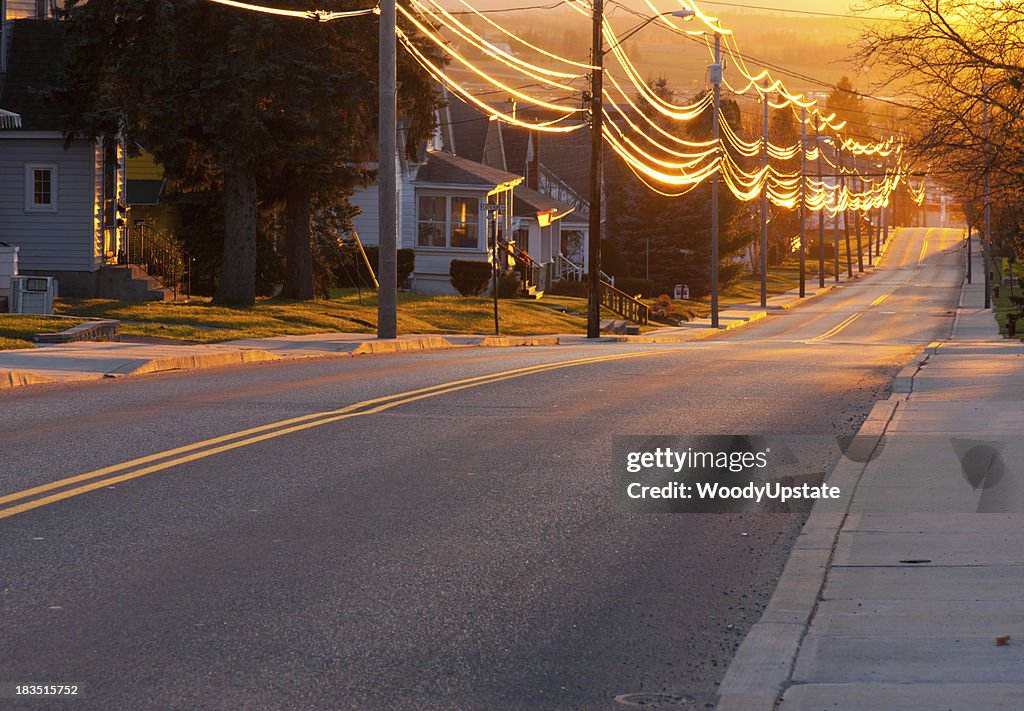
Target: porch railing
{"points": [[623, 304], [568, 269], [160, 255], [528, 266]]}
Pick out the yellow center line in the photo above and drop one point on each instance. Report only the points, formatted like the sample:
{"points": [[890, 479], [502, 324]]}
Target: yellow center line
{"points": [[836, 329], [906, 280], [207, 448]]}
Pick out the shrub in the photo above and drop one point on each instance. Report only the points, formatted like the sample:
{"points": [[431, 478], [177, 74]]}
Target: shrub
{"points": [[469, 278], [635, 285], [508, 286]]}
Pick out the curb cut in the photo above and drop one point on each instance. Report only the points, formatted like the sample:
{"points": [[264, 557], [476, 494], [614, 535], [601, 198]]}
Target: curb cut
{"points": [[189, 362], [17, 378]]}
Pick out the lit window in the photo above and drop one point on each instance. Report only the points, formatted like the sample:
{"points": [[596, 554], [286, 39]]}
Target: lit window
{"points": [[445, 221]]}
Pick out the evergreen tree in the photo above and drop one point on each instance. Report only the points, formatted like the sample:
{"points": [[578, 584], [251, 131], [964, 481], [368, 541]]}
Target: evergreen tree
{"points": [[243, 104], [673, 234]]}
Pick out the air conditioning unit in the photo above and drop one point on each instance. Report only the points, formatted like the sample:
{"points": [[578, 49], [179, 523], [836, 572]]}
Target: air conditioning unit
{"points": [[33, 294]]}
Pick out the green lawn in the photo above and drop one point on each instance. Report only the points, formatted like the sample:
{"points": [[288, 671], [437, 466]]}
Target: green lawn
{"points": [[16, 331], [203, 322]]}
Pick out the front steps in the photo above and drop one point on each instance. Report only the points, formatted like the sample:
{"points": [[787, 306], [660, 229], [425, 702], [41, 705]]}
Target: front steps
{"points": [[130, 283]]}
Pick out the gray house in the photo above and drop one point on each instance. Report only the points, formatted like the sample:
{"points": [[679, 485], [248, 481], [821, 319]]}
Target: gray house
{"points": [[63, 207], [441, 207]]}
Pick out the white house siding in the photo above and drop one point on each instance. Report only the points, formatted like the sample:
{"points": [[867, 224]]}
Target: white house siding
{"points": [[50, 241], [366, 222]]}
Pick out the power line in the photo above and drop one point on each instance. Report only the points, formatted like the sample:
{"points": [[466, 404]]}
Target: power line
{"points": [[813, 13]]}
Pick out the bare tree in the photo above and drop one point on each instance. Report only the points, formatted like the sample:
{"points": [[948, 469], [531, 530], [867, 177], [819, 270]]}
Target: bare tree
{"points": [[949, 59]]}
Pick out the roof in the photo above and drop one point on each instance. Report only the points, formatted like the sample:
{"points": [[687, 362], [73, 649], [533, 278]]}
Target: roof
{"points": [[447, 169], [530, 203], [566, 155], [36, 52]]}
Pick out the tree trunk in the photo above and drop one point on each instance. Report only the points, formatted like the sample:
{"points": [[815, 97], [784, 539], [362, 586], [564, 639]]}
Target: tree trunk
{"points": [[237, 284], [298, 276]]}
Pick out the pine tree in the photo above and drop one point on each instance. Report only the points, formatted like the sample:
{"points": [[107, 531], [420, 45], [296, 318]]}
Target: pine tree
{"points": [[261, 109], [673, 234]]}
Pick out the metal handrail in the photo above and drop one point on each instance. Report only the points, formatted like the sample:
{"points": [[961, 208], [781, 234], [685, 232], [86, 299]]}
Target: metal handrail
{"points": [[159, 255], [568, 267], [623, 304]]}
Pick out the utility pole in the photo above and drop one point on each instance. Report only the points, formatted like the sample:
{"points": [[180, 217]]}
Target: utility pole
{"points": [[596, 173], [884, 237], [857, 216], [492, 235], [846, 230], [764, 204], [987, 242], [387, 180], [970, 226], [821, 214], [716, 83], [803, 201]]}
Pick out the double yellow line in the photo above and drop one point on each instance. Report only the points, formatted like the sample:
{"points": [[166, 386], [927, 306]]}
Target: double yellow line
{"points": [[835, 329], [910, 277], [62, 489], [906, 280]]}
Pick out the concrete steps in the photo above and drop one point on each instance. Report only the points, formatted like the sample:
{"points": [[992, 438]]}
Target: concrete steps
{"points": [[130, 283]]}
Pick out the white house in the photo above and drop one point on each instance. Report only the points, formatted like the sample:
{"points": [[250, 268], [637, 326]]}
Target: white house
{"points": [[63, 207], [442, 202]]}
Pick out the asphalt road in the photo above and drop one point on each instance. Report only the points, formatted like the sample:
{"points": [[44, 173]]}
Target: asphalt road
{"points": [[455, 551]]}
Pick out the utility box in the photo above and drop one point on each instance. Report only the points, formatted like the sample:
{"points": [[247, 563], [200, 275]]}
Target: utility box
{"points": [[8, 270], [33, 294]]}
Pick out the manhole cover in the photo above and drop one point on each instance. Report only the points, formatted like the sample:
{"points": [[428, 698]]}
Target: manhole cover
{"points": [[645, 700]]}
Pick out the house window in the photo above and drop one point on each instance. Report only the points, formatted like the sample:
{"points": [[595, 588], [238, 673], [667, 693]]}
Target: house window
{"points": [[432, 227], [40, 188], [446, 221], [465, 221]]}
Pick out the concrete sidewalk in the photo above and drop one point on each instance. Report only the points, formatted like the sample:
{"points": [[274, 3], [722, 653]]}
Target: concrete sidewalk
{"points": [[95, 360], [896, 599]]}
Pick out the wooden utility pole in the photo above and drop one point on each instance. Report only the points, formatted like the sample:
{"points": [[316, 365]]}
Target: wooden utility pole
{"points": [[596, 173], [387, 179]]}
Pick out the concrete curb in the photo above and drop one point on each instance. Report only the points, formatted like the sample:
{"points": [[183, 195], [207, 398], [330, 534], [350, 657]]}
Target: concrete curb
{"points": [[518, 341], [760, 671], [424, 343], [18, 378], [191, 362]]}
